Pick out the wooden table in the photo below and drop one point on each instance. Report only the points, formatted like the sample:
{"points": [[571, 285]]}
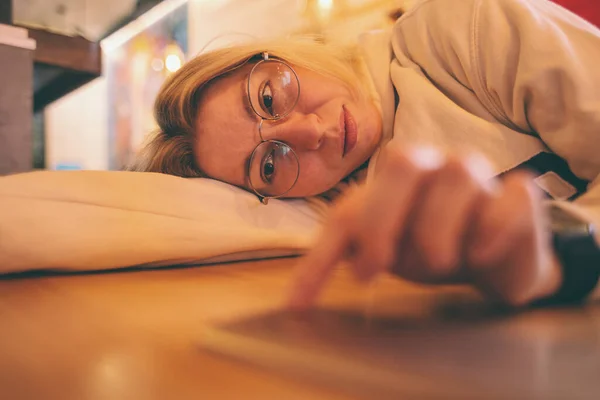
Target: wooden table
{"points": [[136, 334]]}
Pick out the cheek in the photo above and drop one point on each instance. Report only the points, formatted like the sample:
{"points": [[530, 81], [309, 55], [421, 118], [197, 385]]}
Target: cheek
{"points": [[315, 178]]}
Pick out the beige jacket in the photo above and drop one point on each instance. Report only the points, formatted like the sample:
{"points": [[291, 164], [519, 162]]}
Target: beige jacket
{"points": [[508, 78]]}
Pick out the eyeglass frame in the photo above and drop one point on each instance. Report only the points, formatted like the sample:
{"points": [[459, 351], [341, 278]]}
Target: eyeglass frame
{"points": [[265, 199]]}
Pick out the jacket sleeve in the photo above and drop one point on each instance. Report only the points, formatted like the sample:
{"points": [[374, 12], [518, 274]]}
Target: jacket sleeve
{"points": [[533, 65]]}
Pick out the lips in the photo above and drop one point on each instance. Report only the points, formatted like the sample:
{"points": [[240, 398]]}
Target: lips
{"points": [[350, 131]]}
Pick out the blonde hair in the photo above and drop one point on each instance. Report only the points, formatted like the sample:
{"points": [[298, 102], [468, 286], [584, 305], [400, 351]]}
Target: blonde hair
{"points": [[170, 150]]}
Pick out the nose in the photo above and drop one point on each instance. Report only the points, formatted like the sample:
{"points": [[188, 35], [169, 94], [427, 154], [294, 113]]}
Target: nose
{"points": [[301, 131]]}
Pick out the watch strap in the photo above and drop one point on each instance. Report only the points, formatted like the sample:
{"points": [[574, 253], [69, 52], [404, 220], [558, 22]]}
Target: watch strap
{"points": [[579, 256]]}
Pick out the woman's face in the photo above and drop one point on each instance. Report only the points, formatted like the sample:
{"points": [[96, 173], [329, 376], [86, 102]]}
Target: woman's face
{"points": [[331, 131]]}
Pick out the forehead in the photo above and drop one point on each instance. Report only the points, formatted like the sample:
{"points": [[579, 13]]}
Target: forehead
{"points": [[226, 135]]}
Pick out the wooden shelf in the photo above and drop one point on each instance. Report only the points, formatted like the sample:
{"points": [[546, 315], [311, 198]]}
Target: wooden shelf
{"points": [[61, 65]]}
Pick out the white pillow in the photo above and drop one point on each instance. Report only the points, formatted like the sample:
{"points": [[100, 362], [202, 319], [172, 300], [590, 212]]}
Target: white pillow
{"points": [[93, 220]]}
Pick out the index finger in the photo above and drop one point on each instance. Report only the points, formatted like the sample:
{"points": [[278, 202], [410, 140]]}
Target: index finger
{"points": [[315, 270]]}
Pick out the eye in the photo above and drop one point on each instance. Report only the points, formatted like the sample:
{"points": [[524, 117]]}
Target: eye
{"points": [[268, 167], [266, 98]]}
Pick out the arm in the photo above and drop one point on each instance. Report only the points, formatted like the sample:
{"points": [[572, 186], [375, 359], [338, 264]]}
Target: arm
{"points": [[533, 66]]}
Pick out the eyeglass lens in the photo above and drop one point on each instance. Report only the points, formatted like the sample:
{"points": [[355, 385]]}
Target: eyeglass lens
{"points": [[274, 90]]}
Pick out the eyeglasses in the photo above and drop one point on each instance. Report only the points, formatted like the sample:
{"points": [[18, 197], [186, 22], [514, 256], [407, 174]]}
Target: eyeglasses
{"points": [[273, 92]]}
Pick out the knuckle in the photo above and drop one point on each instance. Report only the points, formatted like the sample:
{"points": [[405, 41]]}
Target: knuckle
{"points": [[457, 171], [470, 171], [412, 162]]}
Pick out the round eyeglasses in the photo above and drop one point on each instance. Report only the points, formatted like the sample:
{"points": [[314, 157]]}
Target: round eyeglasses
{"points": [[273, 92]]}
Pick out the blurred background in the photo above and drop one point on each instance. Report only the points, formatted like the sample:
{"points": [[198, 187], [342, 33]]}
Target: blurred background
{"points": [[98, 64]]}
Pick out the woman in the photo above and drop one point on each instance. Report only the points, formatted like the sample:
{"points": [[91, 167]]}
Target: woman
{"points": [[461, 92]]}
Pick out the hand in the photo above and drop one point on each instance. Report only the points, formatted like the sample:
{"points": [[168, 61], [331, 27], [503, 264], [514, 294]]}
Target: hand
{"points": [[435, 218]]}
